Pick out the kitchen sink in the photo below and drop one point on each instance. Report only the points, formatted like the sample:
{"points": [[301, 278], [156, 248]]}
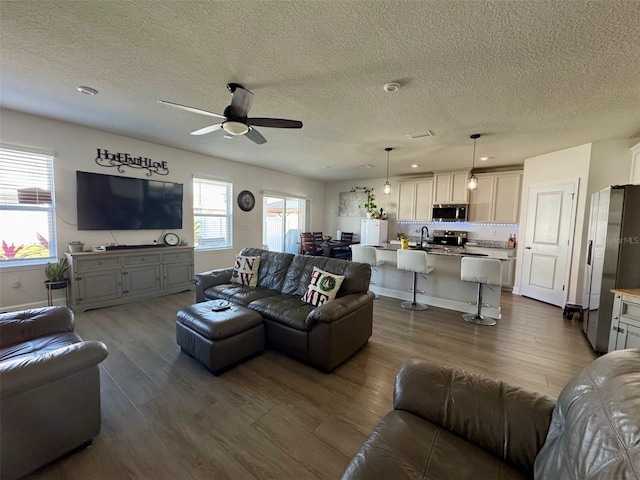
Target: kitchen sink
{"points": [[467, 254]]}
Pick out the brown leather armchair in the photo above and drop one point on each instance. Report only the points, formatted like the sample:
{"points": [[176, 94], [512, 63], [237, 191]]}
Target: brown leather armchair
{"points": [[448, 423], [49, 389]]}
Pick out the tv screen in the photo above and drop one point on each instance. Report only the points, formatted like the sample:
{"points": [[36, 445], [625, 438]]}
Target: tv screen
{"points": [[107, 202]]}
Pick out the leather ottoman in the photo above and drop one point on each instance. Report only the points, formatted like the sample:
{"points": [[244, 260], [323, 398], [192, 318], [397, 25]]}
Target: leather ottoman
{"points": [[219, 333]]}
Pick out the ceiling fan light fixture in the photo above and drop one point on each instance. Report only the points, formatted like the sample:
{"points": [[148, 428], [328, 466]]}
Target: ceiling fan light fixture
{"points": [[472, 182], [387, 186], [235, 128]]}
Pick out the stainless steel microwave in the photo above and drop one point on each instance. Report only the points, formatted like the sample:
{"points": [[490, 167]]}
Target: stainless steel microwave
{"points": [[450, 212]]}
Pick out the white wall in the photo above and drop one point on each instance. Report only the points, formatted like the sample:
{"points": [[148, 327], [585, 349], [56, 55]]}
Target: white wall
{"points": [[596, 166], [564, 165], [74, 148]]}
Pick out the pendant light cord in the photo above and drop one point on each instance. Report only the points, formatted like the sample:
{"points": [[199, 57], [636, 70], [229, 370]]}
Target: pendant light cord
{"points": [[388, 165]]}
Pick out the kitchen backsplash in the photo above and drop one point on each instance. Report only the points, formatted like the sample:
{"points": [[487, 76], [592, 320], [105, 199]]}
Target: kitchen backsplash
{"points": [[482, 234]]}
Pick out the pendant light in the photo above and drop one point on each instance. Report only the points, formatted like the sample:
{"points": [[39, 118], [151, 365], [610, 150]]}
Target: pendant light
{"points": [[387, 186], [472, 183]]}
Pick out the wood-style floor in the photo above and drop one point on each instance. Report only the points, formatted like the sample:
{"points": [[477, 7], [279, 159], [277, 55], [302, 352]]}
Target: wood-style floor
{"points": [[164, 416]]}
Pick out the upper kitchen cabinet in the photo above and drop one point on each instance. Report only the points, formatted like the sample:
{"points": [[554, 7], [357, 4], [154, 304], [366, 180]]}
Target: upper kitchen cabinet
{"points": [[450, 187], [415, 200], [497, 198]]}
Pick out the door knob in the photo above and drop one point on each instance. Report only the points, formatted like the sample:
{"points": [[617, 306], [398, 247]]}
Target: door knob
{"points": [[527, 248]]}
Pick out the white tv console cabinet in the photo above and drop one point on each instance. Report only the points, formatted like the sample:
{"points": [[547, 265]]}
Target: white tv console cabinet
{"points": [[103, 279]]}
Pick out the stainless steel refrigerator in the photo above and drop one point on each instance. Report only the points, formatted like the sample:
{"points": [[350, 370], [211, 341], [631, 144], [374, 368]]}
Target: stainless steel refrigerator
{"points": [[613, 256]]}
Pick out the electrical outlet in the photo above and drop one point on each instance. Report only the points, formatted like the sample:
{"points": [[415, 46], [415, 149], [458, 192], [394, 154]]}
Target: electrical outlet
{"points": [[14, 282]]}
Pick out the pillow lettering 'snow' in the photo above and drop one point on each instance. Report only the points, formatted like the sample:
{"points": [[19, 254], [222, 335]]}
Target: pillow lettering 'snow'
{"points": [[245, 271], [323, 287]]}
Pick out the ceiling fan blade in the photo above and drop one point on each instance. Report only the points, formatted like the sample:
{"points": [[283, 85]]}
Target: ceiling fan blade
{"points": [[274, 122], [209, 129], [255, 136], [191, 109], [241, 102]]}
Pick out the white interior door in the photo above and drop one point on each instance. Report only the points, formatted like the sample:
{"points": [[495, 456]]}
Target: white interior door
{"points": [[548, 241]]}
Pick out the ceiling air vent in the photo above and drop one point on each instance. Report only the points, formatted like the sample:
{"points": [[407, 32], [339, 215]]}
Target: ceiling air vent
{"points": [[423, 134]]}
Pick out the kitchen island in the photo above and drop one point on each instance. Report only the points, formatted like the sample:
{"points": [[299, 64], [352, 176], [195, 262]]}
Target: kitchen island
{"points": [[442, 287]]}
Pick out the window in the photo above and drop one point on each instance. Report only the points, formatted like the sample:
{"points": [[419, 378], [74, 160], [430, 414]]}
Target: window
{"points": [[212, 213], [284, 220], [27, 208]]}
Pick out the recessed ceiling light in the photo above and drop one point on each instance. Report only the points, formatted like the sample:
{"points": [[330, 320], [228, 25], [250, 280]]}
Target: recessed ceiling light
{"points": [[87, 90], [415, 165], [391, 87], [484, 159], [326, 166]]}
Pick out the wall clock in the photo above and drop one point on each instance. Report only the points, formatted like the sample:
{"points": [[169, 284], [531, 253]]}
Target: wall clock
{"points": [[246, 201], [171, 239]]}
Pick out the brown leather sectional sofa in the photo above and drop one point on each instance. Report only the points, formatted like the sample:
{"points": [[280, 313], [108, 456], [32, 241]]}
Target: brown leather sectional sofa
{"points": [[324, 336], [49, 389], [448, 423]]}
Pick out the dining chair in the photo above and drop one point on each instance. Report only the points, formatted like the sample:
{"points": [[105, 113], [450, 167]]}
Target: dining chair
{"points": [[309, 245]]}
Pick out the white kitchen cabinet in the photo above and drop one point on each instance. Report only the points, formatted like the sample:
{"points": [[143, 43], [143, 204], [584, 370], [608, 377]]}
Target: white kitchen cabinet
{"points": [[497, 198], [415, 200], [102, 279], [450, 187], [625, 320]]}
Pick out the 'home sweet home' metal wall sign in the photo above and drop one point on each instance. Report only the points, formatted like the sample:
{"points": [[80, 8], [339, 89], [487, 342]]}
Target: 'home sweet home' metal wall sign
{"points": [[106, 158]]}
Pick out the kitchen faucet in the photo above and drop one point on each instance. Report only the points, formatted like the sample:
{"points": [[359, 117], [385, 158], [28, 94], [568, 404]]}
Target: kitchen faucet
{"points": [[422, 235]]}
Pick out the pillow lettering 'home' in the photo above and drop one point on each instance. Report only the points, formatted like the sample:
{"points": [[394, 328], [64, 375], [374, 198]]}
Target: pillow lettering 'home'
{"points": [[323, 287], [245, 271]]}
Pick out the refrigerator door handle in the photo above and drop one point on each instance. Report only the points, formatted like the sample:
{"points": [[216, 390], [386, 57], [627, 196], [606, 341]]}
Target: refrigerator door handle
{"points": [[589, 251]]}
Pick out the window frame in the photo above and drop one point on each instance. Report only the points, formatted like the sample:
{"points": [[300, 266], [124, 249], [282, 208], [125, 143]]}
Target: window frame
{"points": [[43, 164], [228, 216]]}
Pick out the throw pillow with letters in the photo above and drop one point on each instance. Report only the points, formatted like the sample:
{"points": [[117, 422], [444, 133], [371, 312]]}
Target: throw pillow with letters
{"points": [[245, 271], [323, 287]]}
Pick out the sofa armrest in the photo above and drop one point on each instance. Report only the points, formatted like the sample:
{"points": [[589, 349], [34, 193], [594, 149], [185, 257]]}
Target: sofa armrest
{"points": [[25, 325], [507, 421], [210, 279], [22, 374], [340, 307]]}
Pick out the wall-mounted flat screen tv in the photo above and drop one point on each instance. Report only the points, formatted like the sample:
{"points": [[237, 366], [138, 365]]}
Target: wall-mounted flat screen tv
{"points": [[108, 202]]}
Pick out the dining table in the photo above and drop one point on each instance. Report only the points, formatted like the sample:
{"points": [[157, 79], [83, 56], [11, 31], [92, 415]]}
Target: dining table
{"points": [[333, 248]]}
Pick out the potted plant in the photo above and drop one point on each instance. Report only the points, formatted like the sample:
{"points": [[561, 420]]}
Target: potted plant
{"points": [[370, 205], [55, 274]]}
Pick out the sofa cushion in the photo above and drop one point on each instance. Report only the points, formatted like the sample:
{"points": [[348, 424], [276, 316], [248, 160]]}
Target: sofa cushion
{"points": [[245, 270], [405, 446], [594, 431], [288, 310], [323, 287], [273, 267], [38, 346], [240, 294], [357, 275]]}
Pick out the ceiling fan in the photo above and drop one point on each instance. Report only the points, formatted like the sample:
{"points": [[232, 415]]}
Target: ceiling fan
{"points": [[235, 121]]}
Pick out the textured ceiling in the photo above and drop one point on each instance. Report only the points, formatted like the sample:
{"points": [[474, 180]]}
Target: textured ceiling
{"points": [[531, 76]]}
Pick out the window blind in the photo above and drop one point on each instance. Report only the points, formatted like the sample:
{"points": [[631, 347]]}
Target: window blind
{"points": [[212, 213], [27, 208]]}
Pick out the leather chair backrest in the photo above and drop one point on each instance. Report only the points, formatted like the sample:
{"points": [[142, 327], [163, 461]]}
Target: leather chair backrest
{"points": [[357, 275], [364, 254], [273, 267], [412, 260], [481, 270], [595, 427]]}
